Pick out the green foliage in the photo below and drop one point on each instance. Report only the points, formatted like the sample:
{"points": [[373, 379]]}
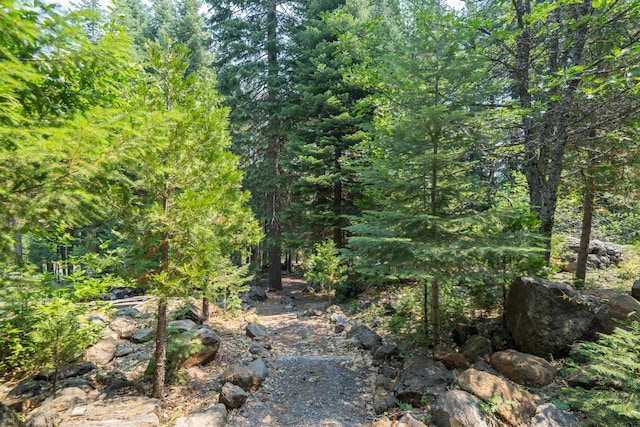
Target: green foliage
{"points": [[180, 346], [614, 365], [325, 267], [496, 403]]}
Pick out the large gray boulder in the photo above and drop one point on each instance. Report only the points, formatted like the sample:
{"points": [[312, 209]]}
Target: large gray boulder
{"points": [[232, 396], [129, 411], [103, 351], [614, 306], [214, 416], [242, 376], [546, 317], [420, 377], [457, 408]]}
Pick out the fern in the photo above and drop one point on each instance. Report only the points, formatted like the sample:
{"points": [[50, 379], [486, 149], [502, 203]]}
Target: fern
{"points": [[614, 364]]}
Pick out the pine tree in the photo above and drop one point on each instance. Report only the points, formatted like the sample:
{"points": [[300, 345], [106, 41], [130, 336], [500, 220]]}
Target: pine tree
{"points": [[250, 38]]}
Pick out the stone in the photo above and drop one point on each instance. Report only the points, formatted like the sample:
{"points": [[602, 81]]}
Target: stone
{"points": [[407, 420], [635, 290], [256, 330], [462, 332], [546, 317], [258, 350], [615, 305], [7, 417], [450, 358], [549, 415], [457, 408], [384, 422], [476, 347], [124, 348], [260, 368], [129, 312], [383, 400], [211, 344], [193, 313], [578, 377], [257, 293], [421, 376], [242, 376], [29, 387], [515, 406], [365, 338], [124, 326], [48, 412], [130, 411], [183, 325], [232, 396], [68, 371], [338, 329], [214, 416], [385, 352], [143, 335], [524, 368], [103, 351]]}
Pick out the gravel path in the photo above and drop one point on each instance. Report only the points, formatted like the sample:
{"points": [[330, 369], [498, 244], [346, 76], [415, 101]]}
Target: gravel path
{"points": [[316, 377]]}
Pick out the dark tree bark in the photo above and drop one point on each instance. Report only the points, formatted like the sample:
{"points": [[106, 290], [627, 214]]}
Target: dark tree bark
{"points": [[206, 309], [585, 235], [159, 370]]}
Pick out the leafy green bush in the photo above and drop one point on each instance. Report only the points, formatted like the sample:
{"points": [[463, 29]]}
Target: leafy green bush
{"points": [[180, 345], [614, 366]]}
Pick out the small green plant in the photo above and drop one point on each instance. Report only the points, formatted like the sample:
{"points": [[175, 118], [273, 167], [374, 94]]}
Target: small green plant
{"points": [[405, 406], [325, 267], [495, 404], [614, 365]]}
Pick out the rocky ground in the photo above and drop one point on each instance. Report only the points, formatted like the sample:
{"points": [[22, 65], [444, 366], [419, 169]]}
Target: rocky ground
{"points": [[294, 360]]}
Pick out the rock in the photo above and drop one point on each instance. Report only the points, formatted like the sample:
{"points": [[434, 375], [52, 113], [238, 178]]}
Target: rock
{"points": [[130, 312], [549, 415], [476, 347], [635, 290], [385, 352], [123, 326], [365, 338], [103, 351], [578, 377], [124, 348], [407, 420], [183, 325], [232, 396], [259, 350], [257, 293], [383, 399], [114, 382], [193, 313], [130, 411], [450, 358], [7, 417], [616, 305], [211, 344], [260, 368], [29, 387], [524, 368], [462, 332], [214, 416], [68, 371], [242, 376], [457, 408], [513, 405], [338, 329], [545, 317], [49, 412], [256, 330], [419, 377], [384, 422], [143, 335]]}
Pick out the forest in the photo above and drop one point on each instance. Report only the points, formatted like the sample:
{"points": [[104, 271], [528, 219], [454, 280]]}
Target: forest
{"points": [[188, 148]]}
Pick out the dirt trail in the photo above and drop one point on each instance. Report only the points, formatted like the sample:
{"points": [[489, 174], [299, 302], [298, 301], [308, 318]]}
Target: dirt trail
{"points": [[316, 376]]}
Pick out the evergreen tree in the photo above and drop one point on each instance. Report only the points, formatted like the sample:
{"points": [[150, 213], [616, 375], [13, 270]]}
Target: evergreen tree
{"points": [[185, 199], [250, 38], [328, 117]]}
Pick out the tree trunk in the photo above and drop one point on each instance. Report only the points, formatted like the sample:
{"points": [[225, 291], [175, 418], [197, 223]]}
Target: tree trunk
{"points": [[435, 312], [17, 245], [159, 370], [585, 235], [206, 309], [274, 152], [425, 310]]}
